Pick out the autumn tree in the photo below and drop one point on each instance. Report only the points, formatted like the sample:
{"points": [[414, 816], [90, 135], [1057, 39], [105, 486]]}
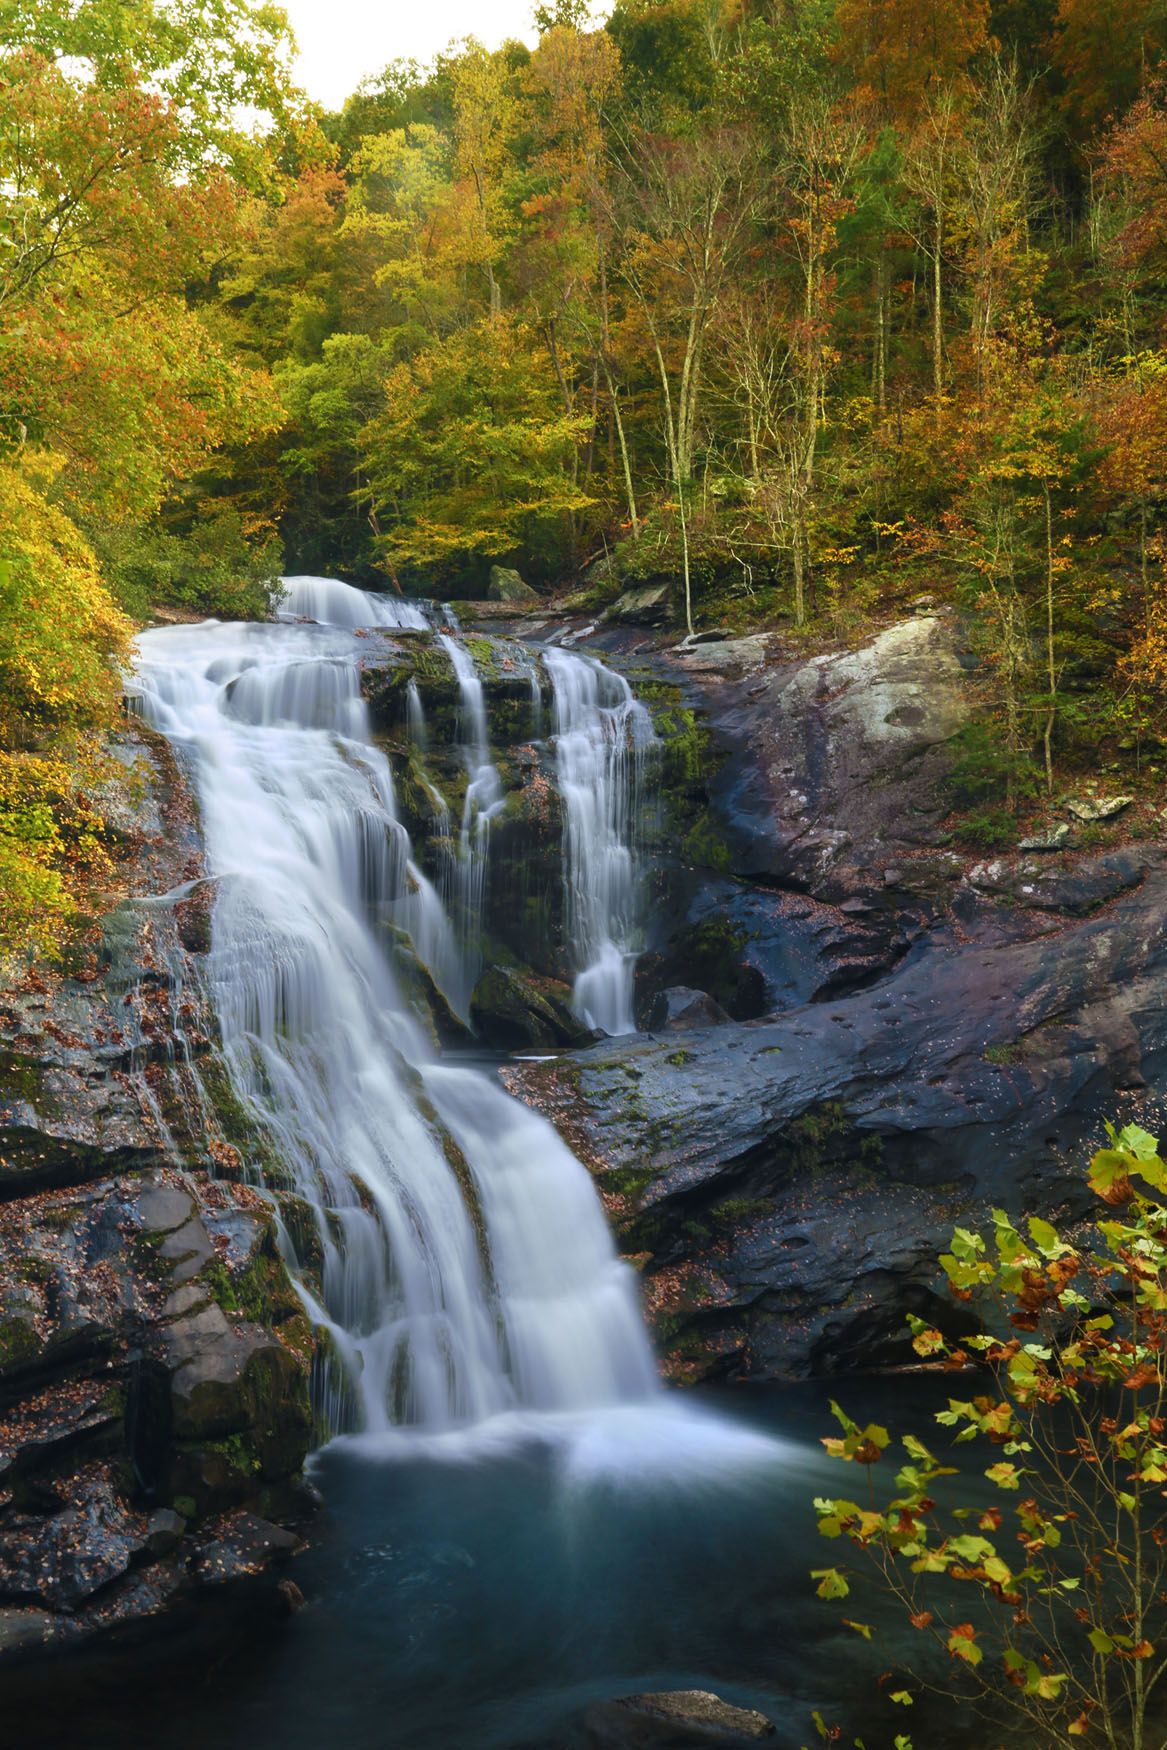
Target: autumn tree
{"points": [[562, 257], [1027, 452], [688, 206], [903, 53], [1046, 1605], [472, 455], [124, 174], [819, 152], [1105, 55]]}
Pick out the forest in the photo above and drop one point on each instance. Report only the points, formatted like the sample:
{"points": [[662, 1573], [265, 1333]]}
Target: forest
{"points": [[806, 309]]}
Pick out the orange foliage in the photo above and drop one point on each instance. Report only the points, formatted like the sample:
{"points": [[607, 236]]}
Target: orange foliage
{"points": [[899, 51]]}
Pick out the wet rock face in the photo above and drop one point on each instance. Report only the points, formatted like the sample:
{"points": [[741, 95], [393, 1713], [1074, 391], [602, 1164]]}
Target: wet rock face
{"points": [[138, 1401], [523, 914], [788, 1183], [837, 760], [825, 793], [154, 1358], [913, 1035]]}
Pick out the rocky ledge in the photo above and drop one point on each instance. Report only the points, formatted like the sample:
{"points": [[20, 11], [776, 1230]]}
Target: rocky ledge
{"points": [[879, 1033], [154, 1359]]}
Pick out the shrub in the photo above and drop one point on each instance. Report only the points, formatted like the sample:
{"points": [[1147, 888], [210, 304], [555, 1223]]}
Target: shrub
{"points": [[1050, 1604]]}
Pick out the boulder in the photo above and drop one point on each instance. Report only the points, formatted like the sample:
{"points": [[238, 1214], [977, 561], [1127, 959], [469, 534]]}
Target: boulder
{"points": [[507, 586], [673, 1719], [164, 1529], [1089, 809], [710, 635], [1054, 838], [244, 1546], [677, 1009], [59, 1559], [650, 606], [515, 1011]]}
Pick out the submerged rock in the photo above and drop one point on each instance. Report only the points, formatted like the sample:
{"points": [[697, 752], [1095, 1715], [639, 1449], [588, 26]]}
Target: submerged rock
{"points": [[673, 1719]]}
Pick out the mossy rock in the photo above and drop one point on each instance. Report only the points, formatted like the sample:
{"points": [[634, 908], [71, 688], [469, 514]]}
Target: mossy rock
{"points": [[515, 1010], [506, 585]]}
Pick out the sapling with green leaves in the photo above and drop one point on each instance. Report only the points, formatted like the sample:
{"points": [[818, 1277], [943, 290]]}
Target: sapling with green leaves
{"points": [[1049, 1604]]}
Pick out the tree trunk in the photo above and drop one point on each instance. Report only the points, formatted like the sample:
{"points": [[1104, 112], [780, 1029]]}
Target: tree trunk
{"points": [[626, 463], [678, 480], [937, 306], [880, 363], [1051, 674], [799, 573]]}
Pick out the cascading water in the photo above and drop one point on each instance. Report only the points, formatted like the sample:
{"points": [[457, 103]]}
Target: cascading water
{"points": [[466, 872], [332, 603], [601, 734], [466, 1266]]}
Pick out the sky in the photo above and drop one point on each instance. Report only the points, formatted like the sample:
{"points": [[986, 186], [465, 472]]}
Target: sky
{"points": [[343, 40]]}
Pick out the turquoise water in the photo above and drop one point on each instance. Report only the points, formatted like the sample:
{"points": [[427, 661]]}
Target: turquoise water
{"points": [[482, 1602]]}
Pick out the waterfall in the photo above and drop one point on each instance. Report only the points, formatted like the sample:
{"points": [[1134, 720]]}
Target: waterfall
{"points": [[461, 1264], [415, 717], [600, 734], [466, 873], [333, 603]]}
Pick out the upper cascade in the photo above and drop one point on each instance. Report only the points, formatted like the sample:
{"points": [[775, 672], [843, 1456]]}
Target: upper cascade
{"points": [[601, 734], [332, 603], [466, 880], [461, 1261]]}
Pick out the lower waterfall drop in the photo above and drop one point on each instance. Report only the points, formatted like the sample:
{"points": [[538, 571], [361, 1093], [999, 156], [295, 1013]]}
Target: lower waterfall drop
{"points": [[465, 1267]]}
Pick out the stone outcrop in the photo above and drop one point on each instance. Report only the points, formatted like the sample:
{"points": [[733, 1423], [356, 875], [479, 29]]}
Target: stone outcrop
{"points": [[154, 1359], [649, 605], [523, 921], [915, 1033], [832, 768]]}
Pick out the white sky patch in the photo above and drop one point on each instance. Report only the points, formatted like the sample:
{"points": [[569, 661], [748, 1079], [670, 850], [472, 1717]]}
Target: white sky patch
{"points": [[344, 41]]}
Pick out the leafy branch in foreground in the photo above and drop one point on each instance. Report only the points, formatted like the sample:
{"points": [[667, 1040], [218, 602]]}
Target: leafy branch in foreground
{"points": [[1047, 1597]]}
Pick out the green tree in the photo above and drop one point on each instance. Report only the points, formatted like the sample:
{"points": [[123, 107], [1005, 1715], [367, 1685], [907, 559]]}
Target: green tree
{"points": [[472, 456]]}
